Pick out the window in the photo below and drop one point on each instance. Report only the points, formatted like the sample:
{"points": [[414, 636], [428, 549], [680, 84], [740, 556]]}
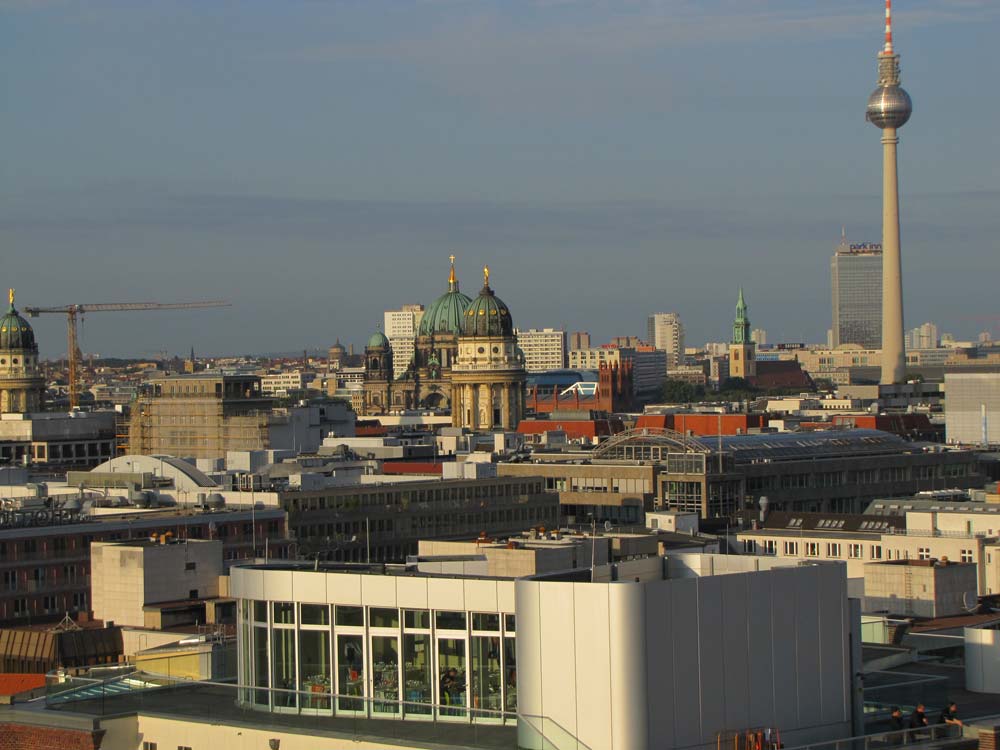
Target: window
{"points": [[854, 551], [791, 548], [966, 555], [924, 553], [812, 549], [148, 746], [833, 549], [190, 566], [770, 547], [749, 547]]}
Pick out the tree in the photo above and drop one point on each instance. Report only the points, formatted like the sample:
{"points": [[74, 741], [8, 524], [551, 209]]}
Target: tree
{"points": [[680, 391]]}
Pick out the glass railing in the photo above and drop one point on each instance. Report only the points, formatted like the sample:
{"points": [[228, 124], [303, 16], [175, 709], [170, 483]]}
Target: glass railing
{"points": [[937, 734], [122, 690]]}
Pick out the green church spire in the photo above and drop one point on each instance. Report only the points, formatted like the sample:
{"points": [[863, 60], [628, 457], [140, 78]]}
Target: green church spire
{"points": [[741, 326]]}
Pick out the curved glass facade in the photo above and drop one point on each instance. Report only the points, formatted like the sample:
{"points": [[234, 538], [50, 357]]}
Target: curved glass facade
{"points": [[377, 662]]}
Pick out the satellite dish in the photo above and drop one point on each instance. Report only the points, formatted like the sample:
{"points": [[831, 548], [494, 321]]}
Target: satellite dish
{"points": [[966, 598], [608, 526]]}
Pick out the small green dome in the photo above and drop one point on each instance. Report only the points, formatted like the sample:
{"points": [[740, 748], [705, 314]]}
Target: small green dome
{"points": [[16, 332], [487, 315], [377, 340]]}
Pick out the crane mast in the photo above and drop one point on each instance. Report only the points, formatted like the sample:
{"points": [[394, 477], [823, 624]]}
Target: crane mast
{"points": [[72, 312]]}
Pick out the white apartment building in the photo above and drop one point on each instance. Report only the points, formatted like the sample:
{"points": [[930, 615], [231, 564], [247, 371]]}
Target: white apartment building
{"points": [[544, 349], [967, 535], [283, 383], [922, 337], [759, 336], [401, 330], [648, 366], [666, 332]]}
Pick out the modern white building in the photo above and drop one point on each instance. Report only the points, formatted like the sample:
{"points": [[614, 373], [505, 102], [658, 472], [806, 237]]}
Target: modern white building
{"points": [[544, 349], [651, 653], [666, 332], [922, 337], [401, 329], [972, 408]]}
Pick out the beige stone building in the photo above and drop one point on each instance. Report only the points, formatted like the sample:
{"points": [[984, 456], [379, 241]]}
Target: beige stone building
{"points": [[127, 577]]}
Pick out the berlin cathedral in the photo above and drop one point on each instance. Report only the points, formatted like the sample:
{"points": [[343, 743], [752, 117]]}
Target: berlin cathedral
{"points": [[465, 360]]}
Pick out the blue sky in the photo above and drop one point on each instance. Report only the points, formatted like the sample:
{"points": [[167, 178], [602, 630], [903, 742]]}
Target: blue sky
{"points": [[316, 161]]}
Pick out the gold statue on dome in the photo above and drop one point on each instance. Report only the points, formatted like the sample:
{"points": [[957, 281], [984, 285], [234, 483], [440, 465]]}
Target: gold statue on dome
{"points": [[10, 296], [486, 275]]}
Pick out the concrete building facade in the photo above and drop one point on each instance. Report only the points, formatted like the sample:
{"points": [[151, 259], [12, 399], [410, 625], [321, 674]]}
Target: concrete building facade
{"points": [[856, 285], [666, 332], [544, 349]]}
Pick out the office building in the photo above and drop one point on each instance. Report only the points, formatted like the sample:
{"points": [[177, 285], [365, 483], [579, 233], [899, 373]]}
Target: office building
{"points": [[45, 552], [922, 337], [544, 349], [889, 108], [759, 337], [665, 331], [579, 340], [58, 440], [401, 328], [856, 284], [972, 408]]}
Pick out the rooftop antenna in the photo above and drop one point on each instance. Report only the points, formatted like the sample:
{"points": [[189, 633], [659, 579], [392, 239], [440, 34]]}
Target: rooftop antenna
{"points": [[888, 27]]}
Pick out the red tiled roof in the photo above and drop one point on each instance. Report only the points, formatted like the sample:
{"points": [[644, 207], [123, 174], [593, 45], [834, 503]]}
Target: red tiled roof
{"points": [[12, 684]]}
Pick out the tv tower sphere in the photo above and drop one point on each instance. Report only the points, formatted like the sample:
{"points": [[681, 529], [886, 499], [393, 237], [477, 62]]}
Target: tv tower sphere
{"points": [[889, 107]]}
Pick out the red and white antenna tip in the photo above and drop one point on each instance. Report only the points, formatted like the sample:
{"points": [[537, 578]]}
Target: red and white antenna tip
{"points": [[888, 27]]}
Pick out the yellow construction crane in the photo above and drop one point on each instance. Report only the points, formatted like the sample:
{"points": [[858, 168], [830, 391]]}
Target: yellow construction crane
{"points": [[72, 312]]}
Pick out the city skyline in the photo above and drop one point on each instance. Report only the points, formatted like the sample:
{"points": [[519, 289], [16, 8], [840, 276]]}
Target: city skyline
{"points": [[166, 199]]}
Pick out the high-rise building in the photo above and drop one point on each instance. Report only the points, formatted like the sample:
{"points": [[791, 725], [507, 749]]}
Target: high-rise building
{"points": [[544, 349], [922, 337], [742, 352], [856, 285], [759, 336], [666, 332], [579, 340], [401, 329], [889, 107]]}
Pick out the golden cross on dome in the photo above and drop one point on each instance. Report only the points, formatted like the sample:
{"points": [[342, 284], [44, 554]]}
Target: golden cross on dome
{"points": [[451, 276]]}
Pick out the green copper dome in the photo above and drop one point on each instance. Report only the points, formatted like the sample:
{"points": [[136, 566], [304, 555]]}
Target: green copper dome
{"points": [[15, 331], [445, 313], [377, 340], [487, 315]]}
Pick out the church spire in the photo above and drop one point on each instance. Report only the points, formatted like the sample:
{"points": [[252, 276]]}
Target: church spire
{"points": [[741, 325], [452, 279]]}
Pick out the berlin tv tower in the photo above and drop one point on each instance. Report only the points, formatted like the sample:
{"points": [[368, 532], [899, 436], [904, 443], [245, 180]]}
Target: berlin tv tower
{"points": [[889, 107]]}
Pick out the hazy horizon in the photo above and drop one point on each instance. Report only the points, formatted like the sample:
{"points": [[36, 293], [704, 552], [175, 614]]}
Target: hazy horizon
{"points": [[315, 163]]}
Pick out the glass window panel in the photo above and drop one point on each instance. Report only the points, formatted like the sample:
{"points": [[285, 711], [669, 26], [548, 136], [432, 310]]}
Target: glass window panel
{"points": [[350, 672], [383, 617], [449, 620], [385, 674], [260, 669], [315, 614], [487, 621], [510, 674], [350, 616], [417, 618], [486, 688], [283, 662], [260, 611], [314, 672], [417, 674], [509, 623], [451, 675], [284, 612]]}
